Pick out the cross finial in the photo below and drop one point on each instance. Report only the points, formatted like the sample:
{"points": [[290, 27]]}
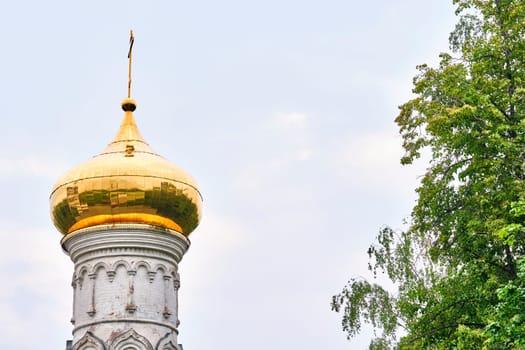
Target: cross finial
{"points": [[131, 41]]}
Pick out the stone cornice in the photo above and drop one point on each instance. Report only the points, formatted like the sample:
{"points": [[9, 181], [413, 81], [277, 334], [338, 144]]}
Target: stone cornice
{"points": [[128, 322], [131, 240]]}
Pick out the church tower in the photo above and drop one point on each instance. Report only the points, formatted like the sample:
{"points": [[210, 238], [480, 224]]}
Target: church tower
{"points": [[125, 216]]}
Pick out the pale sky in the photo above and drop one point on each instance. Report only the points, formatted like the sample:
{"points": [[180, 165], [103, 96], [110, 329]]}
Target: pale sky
{"points": [[281, 110]]}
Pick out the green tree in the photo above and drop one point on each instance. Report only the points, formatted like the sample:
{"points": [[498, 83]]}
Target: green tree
{"points": [[507, 326], [464, 236]]}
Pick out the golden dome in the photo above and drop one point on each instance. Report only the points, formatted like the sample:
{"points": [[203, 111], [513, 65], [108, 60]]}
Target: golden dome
{"points": [[126, 183]]}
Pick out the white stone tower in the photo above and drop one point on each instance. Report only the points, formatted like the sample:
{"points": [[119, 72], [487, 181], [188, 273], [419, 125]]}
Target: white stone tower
{"points": [[126, 215]]}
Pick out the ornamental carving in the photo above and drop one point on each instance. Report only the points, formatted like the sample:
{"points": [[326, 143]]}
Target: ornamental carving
{"points": [[130, 340], [89, 342], [111, 270], [166, 343]]}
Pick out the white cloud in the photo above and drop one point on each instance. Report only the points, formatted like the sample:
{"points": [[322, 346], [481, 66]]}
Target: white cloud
{"points": [[35, 295], [290, 120], [296, 136], [30, 166], [304, 154], [286, 141], [372, 150], [372, 160], [215, 238], [260, 175]]}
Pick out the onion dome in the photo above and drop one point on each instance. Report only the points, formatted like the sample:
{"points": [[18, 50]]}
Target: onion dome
{"points": [[126, 183]]}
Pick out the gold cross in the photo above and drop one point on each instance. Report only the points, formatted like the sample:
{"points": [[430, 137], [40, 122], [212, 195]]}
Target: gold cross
{"points": [[131, 41]]}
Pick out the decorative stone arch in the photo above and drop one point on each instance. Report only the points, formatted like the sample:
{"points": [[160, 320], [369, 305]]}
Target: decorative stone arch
{"points": [[118, 263], [176, 279], [83, 269], [166, 343], [89, 342], [153, 272], [162, 268], [100, 265], [130, 340], [74, 280], [144, 264], [81, 275]]}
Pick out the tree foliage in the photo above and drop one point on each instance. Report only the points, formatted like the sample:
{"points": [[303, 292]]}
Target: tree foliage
{"points": [[456, 266], [507, 326]]}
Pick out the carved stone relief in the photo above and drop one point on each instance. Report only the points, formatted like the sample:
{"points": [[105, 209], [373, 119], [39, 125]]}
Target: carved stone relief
{"points": [[130, 340], [89, 342]]}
